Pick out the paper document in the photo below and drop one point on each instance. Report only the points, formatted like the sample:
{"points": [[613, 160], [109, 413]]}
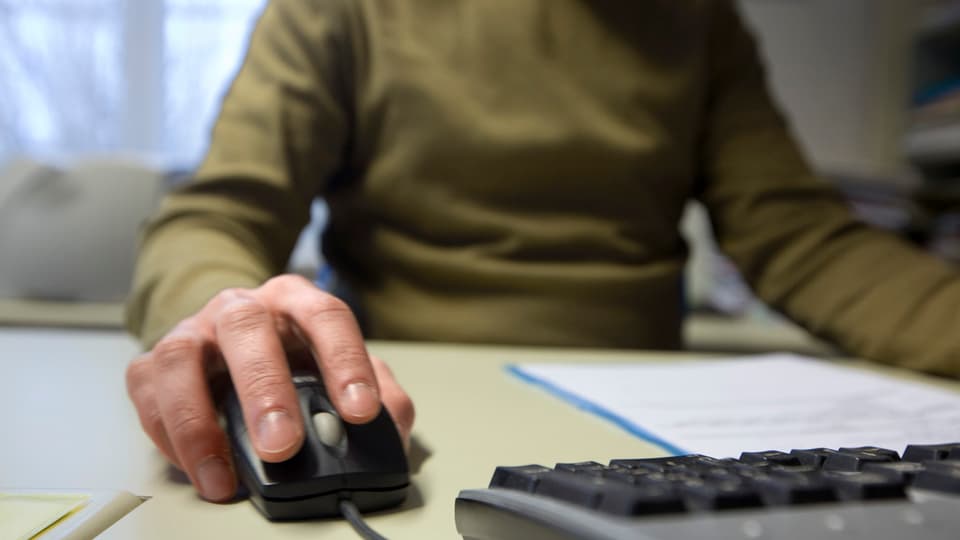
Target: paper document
{"points": [[70, 514], [780, 402], [24, 516]]}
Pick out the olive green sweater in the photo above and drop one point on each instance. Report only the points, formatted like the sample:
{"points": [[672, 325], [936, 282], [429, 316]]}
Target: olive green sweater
{"points": [[513, 171]]}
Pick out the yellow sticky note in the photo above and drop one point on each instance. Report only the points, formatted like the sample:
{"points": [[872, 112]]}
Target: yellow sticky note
{"points": [[25, 515]]}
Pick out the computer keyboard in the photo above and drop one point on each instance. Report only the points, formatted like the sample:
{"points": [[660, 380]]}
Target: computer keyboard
{"points": [[807, 494]]}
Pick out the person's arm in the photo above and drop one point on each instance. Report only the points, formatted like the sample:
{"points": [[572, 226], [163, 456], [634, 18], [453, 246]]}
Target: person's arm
{"points": [[280, 135], [202, 302], [797, 242]]}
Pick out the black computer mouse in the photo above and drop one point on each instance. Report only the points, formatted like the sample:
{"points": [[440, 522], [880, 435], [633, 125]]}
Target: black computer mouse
{"points": [[364, 464]]}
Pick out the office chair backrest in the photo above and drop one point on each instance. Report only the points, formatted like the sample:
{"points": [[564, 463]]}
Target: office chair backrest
{"points": [[72, 234]]}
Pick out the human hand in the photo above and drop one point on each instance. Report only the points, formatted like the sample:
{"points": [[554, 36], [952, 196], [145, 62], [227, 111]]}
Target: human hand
{"points": [[255, 335]]}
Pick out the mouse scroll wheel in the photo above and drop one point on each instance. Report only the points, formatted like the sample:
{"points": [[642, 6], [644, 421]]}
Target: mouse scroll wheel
{"points": [[329, 428]]}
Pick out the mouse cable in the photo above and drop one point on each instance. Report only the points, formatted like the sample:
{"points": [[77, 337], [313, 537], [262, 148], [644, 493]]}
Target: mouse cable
{"points": [[352, 514]]}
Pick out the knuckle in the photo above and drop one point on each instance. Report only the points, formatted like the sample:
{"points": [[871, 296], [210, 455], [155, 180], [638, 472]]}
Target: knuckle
{"points": [[222, 298], [231, 294], [177, 348], [190, 427], [153, 423], [242, 315], [286, 282], [326, 308], [137, 374]]}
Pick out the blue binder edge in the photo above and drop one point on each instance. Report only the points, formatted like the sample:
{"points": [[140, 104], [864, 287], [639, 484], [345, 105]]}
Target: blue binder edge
{"points": [[591, 407]]}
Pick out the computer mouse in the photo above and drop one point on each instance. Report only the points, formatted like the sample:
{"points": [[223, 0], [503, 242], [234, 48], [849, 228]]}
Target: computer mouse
{"points": [[339, 461]]}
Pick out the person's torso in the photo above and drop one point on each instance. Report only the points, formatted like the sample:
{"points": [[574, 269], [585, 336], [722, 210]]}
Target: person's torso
{"points": [[518, 168]]}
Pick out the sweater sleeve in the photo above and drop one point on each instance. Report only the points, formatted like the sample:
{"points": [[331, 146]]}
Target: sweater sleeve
{"points": [[795, 240], [279, 138]]}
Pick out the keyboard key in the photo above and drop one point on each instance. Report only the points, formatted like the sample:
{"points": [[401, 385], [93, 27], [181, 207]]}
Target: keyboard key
{"points": [[752, 470], [523, 478], [902, 471], [774, 457], [672, 477], [586, 467], [662, 464], [643, 464], [931, 452], [892, 454], [625, 475], [854, 460], [943, 476], [733, 498], [631, 476], [609, 495], [584, 490], [722, 495], [864, 486], [705, 463], [725, 473], [788, 488], [813, 457], [642, 500]]}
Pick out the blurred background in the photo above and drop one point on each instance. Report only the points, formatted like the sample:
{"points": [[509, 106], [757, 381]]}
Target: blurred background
{"points": [[140, 78], [105, 103]]}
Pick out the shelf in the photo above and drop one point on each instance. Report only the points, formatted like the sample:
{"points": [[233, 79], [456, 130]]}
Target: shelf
{"points": [[936, 144], [14, 312]]}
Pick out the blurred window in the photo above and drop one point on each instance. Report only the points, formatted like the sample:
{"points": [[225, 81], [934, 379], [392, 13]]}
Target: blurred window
{"points": [[130, 77]]}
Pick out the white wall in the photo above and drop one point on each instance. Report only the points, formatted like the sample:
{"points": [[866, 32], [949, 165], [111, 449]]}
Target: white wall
{"points": [[841, 69]]}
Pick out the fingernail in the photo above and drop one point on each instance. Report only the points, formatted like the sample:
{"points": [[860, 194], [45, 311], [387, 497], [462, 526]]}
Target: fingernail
{"points": [[216, 479], [277, 432], [360, 401]]}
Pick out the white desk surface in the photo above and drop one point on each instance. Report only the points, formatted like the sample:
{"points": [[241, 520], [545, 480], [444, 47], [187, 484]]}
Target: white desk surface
{"points": [[67, 423]]}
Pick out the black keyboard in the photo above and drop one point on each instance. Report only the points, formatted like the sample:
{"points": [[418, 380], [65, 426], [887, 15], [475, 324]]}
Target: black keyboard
{"points": [[806, 494]]}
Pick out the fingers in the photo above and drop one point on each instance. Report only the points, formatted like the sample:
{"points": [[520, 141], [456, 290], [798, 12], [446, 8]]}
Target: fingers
{"points": [[143, 395], [395, 399], [255, 357], [249, 333], [188, 414], [328, 325]]}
